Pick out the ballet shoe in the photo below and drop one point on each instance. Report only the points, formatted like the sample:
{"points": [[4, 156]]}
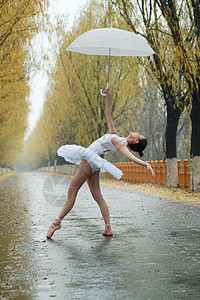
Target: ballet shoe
{"points": [[107, 231], [54, 226]]}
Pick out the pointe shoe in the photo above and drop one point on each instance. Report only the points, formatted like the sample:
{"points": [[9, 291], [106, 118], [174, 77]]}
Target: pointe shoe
{"points": [[54, 226], [107, 231]]}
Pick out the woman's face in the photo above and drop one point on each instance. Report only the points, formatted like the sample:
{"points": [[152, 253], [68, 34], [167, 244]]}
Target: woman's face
{"points": [[135, 136]]}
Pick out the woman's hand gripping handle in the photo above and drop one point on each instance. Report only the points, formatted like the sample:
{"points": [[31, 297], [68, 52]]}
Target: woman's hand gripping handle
{"points": [[104, 93]]}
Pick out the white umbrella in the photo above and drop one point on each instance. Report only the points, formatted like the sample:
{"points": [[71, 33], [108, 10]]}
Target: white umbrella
{"points": [[110, 42]]}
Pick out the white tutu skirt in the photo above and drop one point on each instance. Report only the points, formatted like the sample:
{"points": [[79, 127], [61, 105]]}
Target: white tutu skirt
{"points": [[75, 154]]}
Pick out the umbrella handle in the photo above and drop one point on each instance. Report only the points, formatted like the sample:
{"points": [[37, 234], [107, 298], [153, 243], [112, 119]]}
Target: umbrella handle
{"points": [[101, 91]]}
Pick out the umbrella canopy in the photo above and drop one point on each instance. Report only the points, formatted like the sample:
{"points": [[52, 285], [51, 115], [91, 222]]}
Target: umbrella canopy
{"points": [[120, 43], [110, 42]]}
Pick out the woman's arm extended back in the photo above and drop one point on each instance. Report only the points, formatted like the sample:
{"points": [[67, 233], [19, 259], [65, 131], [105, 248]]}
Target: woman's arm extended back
{"points": [[109, 120], [124, 150]]}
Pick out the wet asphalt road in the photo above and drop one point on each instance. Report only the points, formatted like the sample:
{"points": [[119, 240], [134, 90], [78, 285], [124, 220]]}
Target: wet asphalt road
{"points": [[154, 253]]}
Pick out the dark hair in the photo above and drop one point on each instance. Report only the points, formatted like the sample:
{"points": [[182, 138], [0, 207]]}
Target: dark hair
{"points": [[139, 147]]}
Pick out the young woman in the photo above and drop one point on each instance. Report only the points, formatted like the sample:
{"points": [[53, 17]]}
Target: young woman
{"points": [[90, 164]]}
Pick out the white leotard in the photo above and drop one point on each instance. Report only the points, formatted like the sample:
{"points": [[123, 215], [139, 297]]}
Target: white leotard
{"points": [[104, 143]]}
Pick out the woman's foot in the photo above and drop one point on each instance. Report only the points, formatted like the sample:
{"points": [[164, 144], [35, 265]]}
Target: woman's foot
{"points": [[54, 226], [107, 231]]}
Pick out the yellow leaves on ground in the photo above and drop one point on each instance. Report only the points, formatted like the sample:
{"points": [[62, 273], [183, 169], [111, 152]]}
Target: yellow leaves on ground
{"points": [[192, 198]]}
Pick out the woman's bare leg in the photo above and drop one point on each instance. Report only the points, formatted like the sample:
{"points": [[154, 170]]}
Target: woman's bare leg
{"points": [[93, 183], [83, 172]]}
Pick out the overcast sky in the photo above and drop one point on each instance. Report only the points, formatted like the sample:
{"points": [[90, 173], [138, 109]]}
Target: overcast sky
{"points": [[68, 10]]}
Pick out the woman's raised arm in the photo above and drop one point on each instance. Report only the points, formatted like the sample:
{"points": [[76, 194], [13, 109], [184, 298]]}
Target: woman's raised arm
{"points": [[109, 120]]}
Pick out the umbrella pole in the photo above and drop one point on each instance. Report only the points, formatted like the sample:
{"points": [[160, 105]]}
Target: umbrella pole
{"points": [[109, 53], [109, 61], [108, 67]]}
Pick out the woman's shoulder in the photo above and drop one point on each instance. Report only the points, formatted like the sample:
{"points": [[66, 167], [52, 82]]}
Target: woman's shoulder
{"points": [[118, 138], [111, 134]]}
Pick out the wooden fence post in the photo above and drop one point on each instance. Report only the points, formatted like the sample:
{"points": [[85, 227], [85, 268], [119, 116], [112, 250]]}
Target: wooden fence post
{"points": [[144, 174], [180, 174], [162, 173], [133, 172], [157, 177], [186, 174]]}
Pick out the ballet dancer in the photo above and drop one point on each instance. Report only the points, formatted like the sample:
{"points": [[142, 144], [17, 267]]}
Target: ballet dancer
{"points": [[90, 163]]}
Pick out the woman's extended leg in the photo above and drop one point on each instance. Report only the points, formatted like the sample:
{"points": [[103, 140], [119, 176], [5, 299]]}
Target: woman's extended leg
{"points": [[93, 183], [83, 172]]}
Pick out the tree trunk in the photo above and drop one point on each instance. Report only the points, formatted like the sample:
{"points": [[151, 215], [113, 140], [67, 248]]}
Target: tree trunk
{"points": [[195, 174], [172, 173], [195, 145], [173, 115], [195, 118]]}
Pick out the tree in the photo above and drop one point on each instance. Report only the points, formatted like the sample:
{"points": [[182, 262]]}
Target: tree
{"points": [[186, 37], [74, 94], [143, 18], [19, 21]]}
